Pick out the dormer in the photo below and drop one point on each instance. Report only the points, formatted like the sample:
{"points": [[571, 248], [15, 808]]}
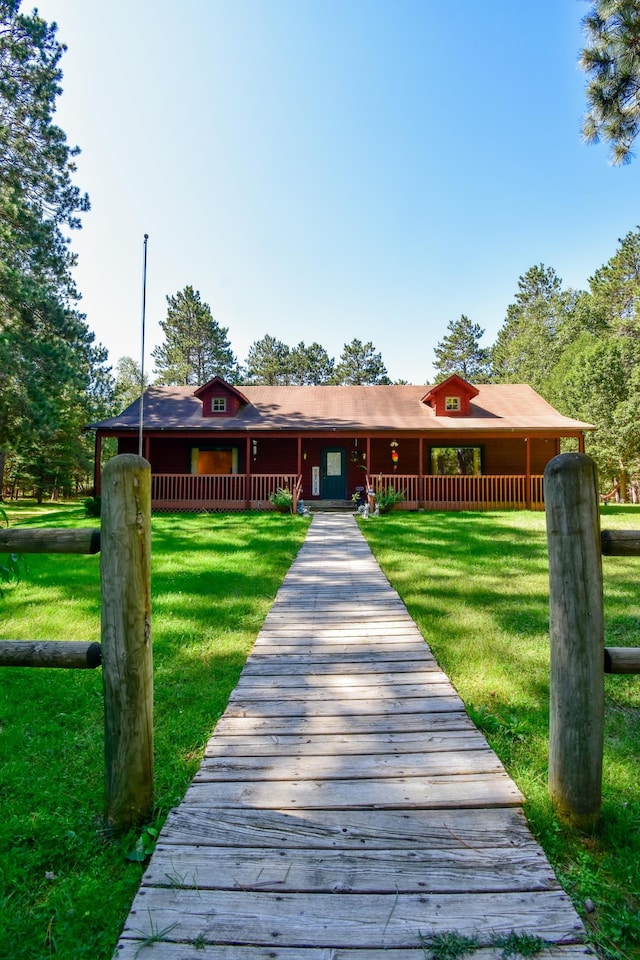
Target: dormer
{"points": [[452, 397], [220, 399]]}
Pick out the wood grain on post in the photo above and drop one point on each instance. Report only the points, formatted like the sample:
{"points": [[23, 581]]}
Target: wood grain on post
{"points": [[55, 540], [75, 654], [576, 624], [127, 665]]}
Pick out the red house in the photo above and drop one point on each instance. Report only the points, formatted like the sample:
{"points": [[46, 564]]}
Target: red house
{"points": [[450, 446]]}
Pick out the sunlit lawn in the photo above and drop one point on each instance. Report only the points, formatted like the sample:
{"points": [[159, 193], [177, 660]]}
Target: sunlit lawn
{"points": [[477, 585], [65, 887]]}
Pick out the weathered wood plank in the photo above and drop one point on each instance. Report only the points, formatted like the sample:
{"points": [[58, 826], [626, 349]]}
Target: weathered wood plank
{"points": [[282, 665], [339, 920], [353, 767], [374, 723], [342, 681], [273, 745], [133, 949], [375, 632], [438, 702], [315, 649], [411, 829], [357, 689], [339, 871], [464, 790]]}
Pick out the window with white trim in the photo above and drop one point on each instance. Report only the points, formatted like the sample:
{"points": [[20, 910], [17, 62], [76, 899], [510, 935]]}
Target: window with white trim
{"points": [[218, 404], [452, 403]]}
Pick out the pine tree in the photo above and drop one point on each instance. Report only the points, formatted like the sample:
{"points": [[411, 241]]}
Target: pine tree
{"points": [[612, 60], [51, 374], [310, 364], [360, 364], [460, 352], [269, 362], [537, 328], [196, 348]]}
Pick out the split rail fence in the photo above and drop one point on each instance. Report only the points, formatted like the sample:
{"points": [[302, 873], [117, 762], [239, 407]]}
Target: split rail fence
{"points": [[579, 658], [124, 544]]}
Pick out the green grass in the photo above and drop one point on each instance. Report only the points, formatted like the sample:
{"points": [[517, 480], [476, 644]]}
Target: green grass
{"points": [[477, 585], [65, 886]]}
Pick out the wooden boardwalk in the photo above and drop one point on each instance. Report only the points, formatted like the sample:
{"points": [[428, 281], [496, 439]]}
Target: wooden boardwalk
{"points": [[346, 806]]}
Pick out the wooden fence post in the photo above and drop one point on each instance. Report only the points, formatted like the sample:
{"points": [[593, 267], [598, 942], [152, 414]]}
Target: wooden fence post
{"points": [[576, 625], [127, 666]]}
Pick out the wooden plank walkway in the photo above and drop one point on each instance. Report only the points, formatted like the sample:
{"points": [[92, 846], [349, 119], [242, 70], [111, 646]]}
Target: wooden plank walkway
{"points": [[346, 805]]}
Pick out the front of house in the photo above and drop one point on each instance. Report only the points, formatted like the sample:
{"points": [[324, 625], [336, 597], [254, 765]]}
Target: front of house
{"points": [[449, 446]]}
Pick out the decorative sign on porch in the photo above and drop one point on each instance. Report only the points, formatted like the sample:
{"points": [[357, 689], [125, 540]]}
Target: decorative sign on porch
{"points": [[315, 481]]}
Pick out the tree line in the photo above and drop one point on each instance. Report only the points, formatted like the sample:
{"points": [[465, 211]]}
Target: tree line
{"points": [[579, 349]]}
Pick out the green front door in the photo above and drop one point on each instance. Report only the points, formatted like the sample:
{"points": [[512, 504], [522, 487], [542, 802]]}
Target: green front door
{"points": [[334, 474]]}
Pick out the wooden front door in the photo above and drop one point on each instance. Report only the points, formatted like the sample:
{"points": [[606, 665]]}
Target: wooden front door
{"points": [[334, 474]]}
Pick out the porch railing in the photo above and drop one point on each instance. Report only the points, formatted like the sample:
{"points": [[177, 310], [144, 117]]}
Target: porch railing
{"points": [[217, 491], [242, 491], [459, 493]]}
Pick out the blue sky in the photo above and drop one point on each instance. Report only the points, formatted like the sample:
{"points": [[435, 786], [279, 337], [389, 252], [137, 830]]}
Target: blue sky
{"points": [[332, 169]]}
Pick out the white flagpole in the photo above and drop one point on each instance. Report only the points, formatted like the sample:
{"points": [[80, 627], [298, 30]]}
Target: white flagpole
{"points": [[144, 306]]}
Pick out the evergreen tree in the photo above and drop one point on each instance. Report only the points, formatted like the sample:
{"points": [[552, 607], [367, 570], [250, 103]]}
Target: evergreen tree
{"points": [[269, 362], [537, 328], [361, 364], [310, 364], [612, 60], [460, 352], [196, 348], [615, 289], [51, 374]]}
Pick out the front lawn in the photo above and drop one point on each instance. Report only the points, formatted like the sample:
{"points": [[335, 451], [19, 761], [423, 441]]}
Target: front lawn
{"points": [[66, 887], [476, 583], [477, 586]]}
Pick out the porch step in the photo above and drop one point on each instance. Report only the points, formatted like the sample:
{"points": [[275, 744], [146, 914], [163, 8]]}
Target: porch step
{"points": [[331, 506]]}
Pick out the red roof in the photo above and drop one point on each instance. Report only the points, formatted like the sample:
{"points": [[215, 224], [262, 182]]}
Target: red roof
{"points": [[366, 409]]}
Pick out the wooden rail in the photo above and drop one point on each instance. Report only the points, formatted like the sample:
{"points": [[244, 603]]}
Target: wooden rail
{"points": [[56, 540], [251, 491], [125, 648], [579, 658]]}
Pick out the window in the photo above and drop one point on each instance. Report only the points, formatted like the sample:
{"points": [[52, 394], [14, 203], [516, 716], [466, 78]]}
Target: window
{"points": [[219, 405], [452, 403], [456, 461]]}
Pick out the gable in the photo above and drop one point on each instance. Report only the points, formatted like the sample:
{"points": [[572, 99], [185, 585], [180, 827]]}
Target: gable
{"points": [[220, 399], [452, 397]]}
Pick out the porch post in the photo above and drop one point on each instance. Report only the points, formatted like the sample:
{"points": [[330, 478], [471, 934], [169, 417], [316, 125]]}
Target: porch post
{"points": [[247, 471], [527, 449], [97, 473], [581, 443]]}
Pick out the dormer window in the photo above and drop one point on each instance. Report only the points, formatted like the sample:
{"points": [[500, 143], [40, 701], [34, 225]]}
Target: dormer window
{"points": [[445, 403], [218, 405]]}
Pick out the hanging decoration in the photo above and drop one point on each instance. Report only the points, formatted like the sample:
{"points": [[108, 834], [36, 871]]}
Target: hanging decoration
{"points": [[394, 453]]}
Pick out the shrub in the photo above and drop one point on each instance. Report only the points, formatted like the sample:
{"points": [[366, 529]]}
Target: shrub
{"points": [[282, 500], [92, 506], [387, 499]]}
